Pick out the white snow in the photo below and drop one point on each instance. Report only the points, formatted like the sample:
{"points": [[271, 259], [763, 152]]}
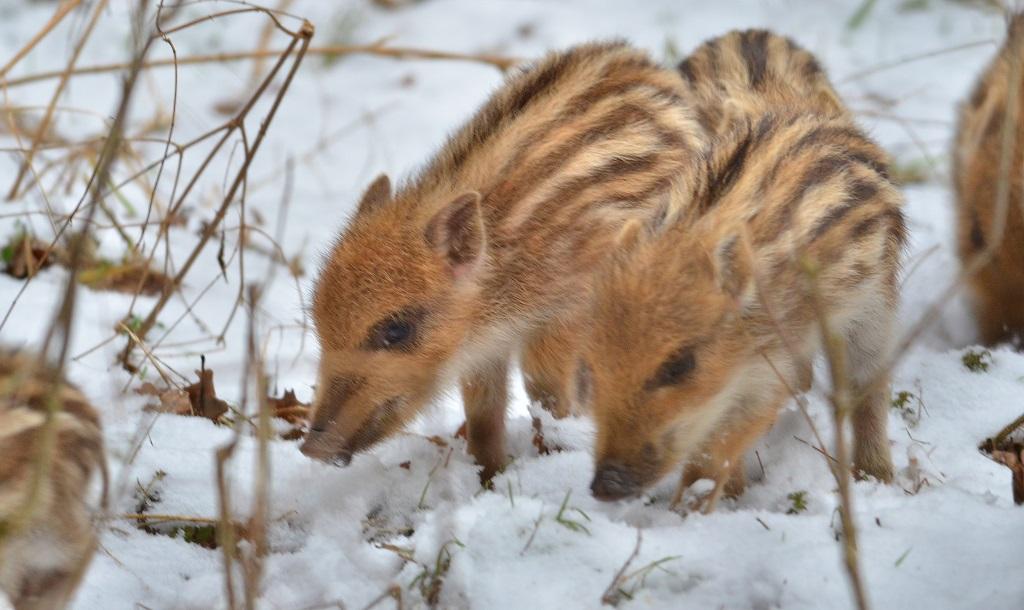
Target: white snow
{"points": [[945, 535]]}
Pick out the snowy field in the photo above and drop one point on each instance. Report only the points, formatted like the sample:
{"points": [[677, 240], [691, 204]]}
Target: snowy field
{"points": [[411, 512]]}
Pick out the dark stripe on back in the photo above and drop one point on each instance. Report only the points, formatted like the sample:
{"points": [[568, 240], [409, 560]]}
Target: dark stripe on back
{"points": [[858, 193], [754, 47], [535, 83], [820, 172], [685, 69], [723, 177], [518, 182], [867, 226]]}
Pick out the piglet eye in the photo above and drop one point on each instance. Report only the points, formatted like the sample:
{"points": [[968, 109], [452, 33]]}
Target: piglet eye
{"points": [[675, 369], [398, 331], [395, 333]]}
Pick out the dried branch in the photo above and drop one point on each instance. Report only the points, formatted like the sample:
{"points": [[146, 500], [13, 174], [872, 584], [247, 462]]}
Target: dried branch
{"points": [[378, 49], [302, 40], [842, 399]]}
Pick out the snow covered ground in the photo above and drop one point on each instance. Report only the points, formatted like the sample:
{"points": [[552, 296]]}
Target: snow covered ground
{"points": [[945, 535]]}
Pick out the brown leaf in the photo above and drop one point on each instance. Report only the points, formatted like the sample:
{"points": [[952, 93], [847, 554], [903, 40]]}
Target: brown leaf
{"points": [[203, 397], [289, 408], [406, 465], [26, 255], [1010, 454], [129, 277], [293, 411], [1013, 458], [171, 400], [147, 389]]}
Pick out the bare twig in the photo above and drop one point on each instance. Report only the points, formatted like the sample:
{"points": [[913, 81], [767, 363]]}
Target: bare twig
{"points": [[58, 15], [612, 595], [378, 49], [842, 399], [65, 75], [305, 35], [912, 58]]}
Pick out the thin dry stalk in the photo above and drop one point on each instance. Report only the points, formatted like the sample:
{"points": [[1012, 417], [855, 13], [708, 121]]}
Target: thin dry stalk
{"points": [[60, 330], [65, 75], [378, 48], [261, 497], [913, 58], [58, 15], [842, 405], [302, 40], [611, 595]]}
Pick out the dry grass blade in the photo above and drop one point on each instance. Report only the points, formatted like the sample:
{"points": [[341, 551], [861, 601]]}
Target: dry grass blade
{"points": [[912, 58], [378, 49], [302, 40], [842, 399], [65, 75], [58, 15], [613, 594]]}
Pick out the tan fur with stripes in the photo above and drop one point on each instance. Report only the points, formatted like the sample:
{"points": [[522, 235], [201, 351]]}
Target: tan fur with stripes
{"points": [[492, 246], [43, 556], [978, 158], [745, 73], [723, 283]]}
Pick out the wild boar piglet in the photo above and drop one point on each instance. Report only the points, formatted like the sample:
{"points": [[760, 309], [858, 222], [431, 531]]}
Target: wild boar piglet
{"points": [[51, 448], [988, 157], [699, 328], [492, 247]]}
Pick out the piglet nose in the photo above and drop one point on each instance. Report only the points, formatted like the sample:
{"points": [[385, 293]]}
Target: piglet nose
{"points": [[613, 481], [317, 446]]}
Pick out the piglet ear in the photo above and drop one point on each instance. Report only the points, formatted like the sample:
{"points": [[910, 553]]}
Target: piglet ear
{"points": [[457, 233], [379, 192], [733, 270]]}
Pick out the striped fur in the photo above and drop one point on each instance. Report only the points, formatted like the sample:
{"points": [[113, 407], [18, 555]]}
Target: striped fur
{"points": [[676, 365], [738, 75], [493, 245], [978, 162], [44, 552]]}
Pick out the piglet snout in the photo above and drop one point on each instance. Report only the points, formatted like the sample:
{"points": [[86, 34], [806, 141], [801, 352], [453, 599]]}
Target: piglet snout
{"points": [[614, 481]]}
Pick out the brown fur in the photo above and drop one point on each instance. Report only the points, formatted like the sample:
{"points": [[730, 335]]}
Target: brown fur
{"points": [[739, 75], [43, 555], [998, 288], [494, 244], [685, 324]]}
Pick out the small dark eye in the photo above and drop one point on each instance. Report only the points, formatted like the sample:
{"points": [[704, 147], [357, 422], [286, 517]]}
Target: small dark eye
{"points": [[674, 369], [398, 331]]}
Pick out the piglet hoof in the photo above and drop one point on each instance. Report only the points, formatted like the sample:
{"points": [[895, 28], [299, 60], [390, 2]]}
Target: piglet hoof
{"points": [[880, 469], [490, 466]]}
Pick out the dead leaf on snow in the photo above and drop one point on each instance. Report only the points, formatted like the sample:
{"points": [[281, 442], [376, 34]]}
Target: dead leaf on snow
{"points": [[203, 397], [126, 277], [1010, 454], [289, 408], [171, 400], [24, 256]]}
